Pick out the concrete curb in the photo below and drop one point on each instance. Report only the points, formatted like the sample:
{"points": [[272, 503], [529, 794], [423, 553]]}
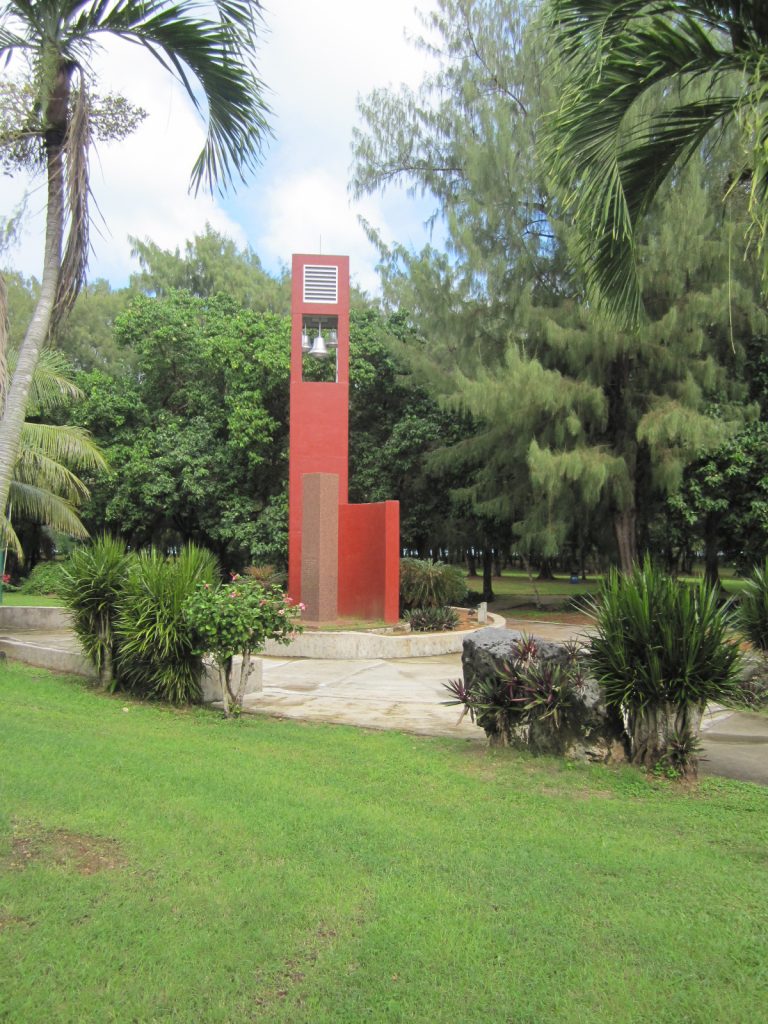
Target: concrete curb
{"points": [[352, 646]]}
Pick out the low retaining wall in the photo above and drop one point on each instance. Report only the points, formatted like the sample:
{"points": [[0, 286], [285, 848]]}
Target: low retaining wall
{"points": [[53, 653], [350, 645], [34, 617]]}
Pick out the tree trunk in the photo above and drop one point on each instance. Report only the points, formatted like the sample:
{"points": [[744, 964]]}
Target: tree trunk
{"points": [[471, 564], [711, 559], [653, 730], [37, 332], [488, 594], [624, 524], [224, 667], [545, 569]]}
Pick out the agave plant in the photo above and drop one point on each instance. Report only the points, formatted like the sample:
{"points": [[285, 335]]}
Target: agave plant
{"points": [[158, 654], [92, 585]]}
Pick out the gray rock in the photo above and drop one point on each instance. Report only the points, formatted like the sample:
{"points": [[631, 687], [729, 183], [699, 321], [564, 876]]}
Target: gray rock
{"points": [[587, 732]]}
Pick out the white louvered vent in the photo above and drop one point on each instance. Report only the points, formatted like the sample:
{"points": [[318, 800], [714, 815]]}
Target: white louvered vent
{"points": [[321, 284]]}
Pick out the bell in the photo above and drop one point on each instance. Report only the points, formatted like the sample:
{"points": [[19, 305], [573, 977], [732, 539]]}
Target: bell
{"points": [[333, 338], [306, 344], [318, 350]]}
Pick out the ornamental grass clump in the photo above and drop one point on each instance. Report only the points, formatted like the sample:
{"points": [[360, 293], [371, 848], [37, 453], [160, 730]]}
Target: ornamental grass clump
{"points": [[425, 584], [661, 651], [92, 585], [158, 653], [238, 618]]}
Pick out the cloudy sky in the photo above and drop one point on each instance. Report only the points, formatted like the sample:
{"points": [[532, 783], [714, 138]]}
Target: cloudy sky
{"points": [[316, 58]]}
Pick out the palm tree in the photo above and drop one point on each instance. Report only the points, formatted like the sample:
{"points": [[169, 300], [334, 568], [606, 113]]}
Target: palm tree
{"points": [[45, 488], [210, 56], [648, 82]]}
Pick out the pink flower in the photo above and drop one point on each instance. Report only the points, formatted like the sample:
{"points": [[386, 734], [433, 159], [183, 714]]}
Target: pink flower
{"points": [[302, 606], [6, 577]]}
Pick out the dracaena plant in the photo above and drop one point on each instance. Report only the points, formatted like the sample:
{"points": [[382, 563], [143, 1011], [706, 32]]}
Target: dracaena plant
{"points": [[662, 650]]}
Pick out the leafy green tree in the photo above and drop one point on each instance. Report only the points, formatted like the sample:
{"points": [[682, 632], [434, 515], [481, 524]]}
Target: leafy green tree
{"points": [[209, 54], [648, 82], [723, 501], [211, 263], [197, 437]]}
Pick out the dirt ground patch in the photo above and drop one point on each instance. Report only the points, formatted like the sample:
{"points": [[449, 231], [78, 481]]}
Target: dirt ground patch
{"points": [[84, 854]]}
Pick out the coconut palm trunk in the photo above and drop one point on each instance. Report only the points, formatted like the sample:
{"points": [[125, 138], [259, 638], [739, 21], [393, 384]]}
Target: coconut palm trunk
{"points": [[17, 395]]}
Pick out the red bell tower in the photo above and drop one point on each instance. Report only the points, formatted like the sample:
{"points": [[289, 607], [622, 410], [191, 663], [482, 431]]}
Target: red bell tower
{"points": [[343, 560]]}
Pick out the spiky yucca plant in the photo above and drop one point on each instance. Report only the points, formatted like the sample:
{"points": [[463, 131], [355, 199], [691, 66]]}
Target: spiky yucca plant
{"points": [[751, 614], [92, 585], [661, 650], [157, 646]]}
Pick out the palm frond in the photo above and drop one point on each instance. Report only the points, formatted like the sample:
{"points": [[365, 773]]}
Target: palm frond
{"points": [[77, 143], [9, 539], [212, 56], [70, 446], [52, 383], [33, 468], [41, 506], [610, 172]]}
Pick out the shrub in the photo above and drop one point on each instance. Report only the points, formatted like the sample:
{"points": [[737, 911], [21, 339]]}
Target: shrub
{"points": [[751, 689], [238, 618], [751, 614], [92, 584], [158, 653], [266, 575], [425, 584], [44, 579], [426, 620], [661, 651], [524, 689]]}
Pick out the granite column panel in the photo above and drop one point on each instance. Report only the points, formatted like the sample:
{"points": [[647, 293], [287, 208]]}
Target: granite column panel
{"points": [[320, 547]]}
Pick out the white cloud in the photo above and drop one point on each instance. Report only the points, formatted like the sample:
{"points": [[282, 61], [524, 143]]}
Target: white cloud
{"points": [[316, 58], [309, 213]]}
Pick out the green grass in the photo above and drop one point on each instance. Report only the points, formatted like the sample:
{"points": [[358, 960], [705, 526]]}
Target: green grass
{"points": [[30, 601], [261, 870], [514, 584]]}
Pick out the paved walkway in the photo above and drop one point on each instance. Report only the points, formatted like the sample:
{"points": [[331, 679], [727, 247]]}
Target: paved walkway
{"points": [[407, 694]]}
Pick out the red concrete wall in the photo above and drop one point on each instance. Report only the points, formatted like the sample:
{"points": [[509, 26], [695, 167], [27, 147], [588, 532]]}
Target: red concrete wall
{"points": [[369, 560], [319, 421]]}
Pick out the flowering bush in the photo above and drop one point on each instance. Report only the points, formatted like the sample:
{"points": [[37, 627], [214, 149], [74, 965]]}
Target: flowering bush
{"points": [[238, 618]]}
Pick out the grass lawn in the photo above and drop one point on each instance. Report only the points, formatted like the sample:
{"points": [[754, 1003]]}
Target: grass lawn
{"points": [[160, 865], [30, 601]]}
